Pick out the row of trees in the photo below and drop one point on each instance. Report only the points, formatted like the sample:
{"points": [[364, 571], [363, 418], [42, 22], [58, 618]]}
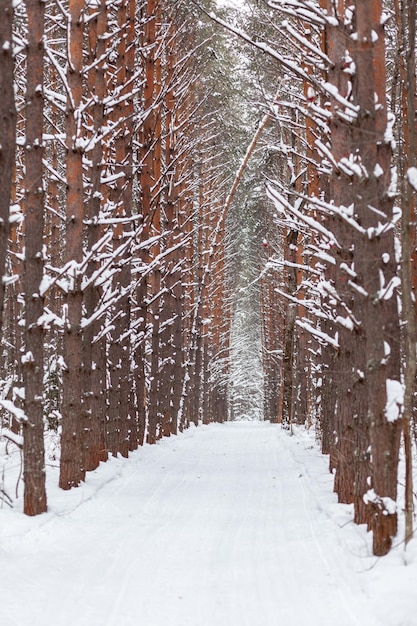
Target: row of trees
{"points": [[338, 276], [115, 325]]}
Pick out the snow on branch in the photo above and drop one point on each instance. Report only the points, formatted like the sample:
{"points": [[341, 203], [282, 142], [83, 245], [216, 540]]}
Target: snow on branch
{"points": [[273, 263], [358, 288], [345, 213], [282, 205], [293, 299], [332, 90], [321, 336], [47, 318], [305, 42], [11, 436], [304, 10], [386, 292], [17, 413]]}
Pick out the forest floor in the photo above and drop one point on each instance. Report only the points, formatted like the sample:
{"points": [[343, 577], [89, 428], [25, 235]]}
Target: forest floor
{"points": [[224, 525]]}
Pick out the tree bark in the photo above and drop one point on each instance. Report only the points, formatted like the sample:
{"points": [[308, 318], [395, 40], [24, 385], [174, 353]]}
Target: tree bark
{"points": [[33, 368], [406, 27], [119, 403], [7, 134], [72, 470], [375, 262], [94, 350]]}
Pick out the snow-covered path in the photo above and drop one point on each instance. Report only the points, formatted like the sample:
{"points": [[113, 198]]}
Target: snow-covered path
{"points": [[226, 525]]}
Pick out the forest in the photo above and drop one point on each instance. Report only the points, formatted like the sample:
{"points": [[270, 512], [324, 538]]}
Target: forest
{"points": [[208, 215]]}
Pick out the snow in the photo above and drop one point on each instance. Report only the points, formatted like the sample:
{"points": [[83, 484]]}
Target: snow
{"points": [[358, 288], [378, 171], [9, 434], [16, 214], [386, 291], [389, 135], [229, 524], [395, 399], [346, 268], [386, 503], [17, 412], [27, 357], [412, 177], [345, 321]]}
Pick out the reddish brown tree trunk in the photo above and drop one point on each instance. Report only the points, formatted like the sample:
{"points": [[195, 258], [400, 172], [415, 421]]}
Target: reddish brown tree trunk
{"points": [[171, 310], [119, 392], [379, 315], [94, 349], [33, 442], [340, 193], [72, 469]]}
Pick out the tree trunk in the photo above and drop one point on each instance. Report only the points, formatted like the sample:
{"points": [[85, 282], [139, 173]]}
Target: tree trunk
{"points": [[7, 135], [33, 369], [94, 350], [406, 26], [119, 404], [375, 262], [290, 317], [72, 470]]}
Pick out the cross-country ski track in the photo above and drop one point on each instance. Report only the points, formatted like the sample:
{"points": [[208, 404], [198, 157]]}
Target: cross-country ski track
{"points": [[224, 525]]}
